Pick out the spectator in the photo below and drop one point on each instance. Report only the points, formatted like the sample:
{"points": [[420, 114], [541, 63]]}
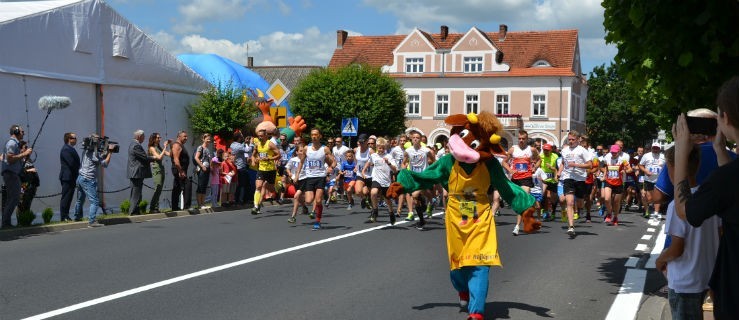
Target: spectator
{"points": [[215, 177], [239, 150], [92, 158], [138, 169], [180, 164], [11, 170], [715, 197], [157, 153], [70, 167], [29, 181], [202, 158], [229, 179]]}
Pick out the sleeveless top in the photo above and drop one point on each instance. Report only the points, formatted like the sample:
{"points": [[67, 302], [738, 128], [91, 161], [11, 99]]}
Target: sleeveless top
{"points": [[314, 163], [361, 158], [184, 159], [156, 166], [264, 151], [521, 162]]}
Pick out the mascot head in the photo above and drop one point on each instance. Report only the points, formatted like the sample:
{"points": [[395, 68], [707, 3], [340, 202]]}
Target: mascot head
{"points": [[474, 137]]}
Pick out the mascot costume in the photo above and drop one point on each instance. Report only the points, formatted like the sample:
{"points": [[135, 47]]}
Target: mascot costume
{"points": [[467, 172]]}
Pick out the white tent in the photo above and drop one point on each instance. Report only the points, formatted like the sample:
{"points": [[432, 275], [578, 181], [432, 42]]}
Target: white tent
{"points": [[119, 80]]}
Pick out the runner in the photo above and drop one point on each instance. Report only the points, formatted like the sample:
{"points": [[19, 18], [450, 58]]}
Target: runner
{"points": [[313, 162], [264, 157], [398, 153], [417, 158], [384, 165], [590, 180], [363, 183], [576, 162], [292, 172], [339, 151], [614, 171], [522, 161], [286, 153], [348, 174], [651, 164]]}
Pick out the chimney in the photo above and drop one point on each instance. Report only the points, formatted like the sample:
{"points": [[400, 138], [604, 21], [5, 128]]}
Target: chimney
{"points": [[444, 32], [502, 32], [249, 62], [341, 38]]}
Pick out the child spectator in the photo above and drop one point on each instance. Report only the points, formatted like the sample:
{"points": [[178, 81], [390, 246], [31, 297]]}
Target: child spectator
{"points": [[691, 256], [229, 179], [215, 178]]}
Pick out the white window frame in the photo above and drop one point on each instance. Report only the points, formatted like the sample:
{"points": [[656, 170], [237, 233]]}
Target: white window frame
{"points": [[414, 64], [503, 107], [414, 100], [538, 108], [473, 64], [442, 103], [472, 103]]}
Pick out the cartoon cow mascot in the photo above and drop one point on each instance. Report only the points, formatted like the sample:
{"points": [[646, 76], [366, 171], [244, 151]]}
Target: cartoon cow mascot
{"points": [[468, 171]]}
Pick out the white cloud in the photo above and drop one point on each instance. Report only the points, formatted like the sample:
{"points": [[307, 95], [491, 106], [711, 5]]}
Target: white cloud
{"points": [[196, 12]]}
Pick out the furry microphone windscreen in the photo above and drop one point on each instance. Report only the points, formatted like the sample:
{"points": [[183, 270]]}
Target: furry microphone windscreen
{"points": [[48, 103]]}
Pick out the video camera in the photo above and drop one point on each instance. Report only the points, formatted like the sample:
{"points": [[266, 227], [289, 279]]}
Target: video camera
{"points": [[101, 144]]}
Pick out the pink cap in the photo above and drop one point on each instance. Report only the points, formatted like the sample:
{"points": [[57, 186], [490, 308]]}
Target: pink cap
{"points": [[615, 148]]}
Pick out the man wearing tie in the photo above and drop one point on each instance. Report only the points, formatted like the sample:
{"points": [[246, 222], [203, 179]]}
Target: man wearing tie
{"points": [[138, 169], [70, 162]]}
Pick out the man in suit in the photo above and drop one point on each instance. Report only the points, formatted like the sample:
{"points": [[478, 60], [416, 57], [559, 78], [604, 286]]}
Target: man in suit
{"points": [[70, 162], [138, 169]]}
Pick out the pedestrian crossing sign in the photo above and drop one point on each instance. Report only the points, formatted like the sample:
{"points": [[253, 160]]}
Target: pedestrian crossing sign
{"points": [[349, 127]]}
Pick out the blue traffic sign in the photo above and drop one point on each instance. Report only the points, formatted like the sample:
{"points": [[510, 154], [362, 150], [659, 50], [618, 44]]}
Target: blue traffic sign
{"points": [[349, 127]]}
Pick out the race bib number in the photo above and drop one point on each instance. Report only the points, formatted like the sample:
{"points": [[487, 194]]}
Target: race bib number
{"points": [[655, 170], [550, 175], [313, 164], [348, 173], [522, 167], [262, 154], [285, 157], [613, 172], [416, 169]]}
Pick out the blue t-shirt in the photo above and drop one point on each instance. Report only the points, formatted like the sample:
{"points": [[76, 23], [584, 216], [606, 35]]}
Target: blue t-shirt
{"points": [[348, 170], [708, 163]]}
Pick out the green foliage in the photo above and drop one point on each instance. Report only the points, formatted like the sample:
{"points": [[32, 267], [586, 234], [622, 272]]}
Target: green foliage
{"points": [[47, 215], [25, 218], [326, 96], [220, 111], [677, 53], [125, 206], [614, 111], [142, 206]]}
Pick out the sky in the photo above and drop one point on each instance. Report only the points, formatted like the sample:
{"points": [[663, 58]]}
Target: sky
{"points": [[303, 32]]}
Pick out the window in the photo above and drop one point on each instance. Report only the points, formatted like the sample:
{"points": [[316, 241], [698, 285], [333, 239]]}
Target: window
{"points": [[540, 106], [472, 104], [542, 63], [414, 65], [501, 104], [414, 105], [442, 105], [472, 64]]}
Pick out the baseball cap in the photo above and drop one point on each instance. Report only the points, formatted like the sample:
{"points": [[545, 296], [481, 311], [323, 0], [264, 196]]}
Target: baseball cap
{"points": [[547, 146], [615, 148], [373, 137], [362, 137], [655, 144]]}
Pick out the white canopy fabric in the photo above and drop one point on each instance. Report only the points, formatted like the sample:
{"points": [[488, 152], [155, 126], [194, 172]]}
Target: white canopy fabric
{"points": [[119, 80]]}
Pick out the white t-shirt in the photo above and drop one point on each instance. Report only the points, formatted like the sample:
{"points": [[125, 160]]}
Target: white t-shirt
{"points": [[340, 153], [381, 173], [538, 177], [292, 165], [653, 164], [577, 155], [691, 272], [417, 158], [362, 158], [398, 154]]}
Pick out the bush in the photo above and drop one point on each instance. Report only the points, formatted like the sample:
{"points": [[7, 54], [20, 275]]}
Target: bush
{"points": [[25, 218], [142, 206], [47, 215], [125, 206]]}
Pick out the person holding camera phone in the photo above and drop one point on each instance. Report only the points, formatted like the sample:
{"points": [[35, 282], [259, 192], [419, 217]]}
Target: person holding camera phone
{"points": [[138, 169], [157, 168], [11, 170], [202, 158], [96, 153]]}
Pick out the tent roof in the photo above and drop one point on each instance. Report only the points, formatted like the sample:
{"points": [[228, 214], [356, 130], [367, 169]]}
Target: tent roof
{"points": [[87, 41]]}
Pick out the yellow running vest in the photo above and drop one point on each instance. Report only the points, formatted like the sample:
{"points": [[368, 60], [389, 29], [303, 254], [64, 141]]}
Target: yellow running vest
{"points": [[264, 151]]}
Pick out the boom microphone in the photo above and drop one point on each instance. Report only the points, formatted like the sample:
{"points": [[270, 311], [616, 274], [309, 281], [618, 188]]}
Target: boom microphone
{"points": [[49, 103]]}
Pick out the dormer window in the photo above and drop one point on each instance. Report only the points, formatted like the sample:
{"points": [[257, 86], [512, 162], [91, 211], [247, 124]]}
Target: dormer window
{"points": [[414, 65], [542, 63], [472, 64]]}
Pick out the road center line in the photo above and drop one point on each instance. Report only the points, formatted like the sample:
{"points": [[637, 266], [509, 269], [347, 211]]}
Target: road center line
{"points": [[163, 283]]}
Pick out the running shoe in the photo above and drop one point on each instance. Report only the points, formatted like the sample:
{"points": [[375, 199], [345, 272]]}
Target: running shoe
{"points": [[326, 204], [608, 219], [564, 217], [333, 198], [429, 208], [291, 220], [382, 204], [571, 231], [409, 217], [576, 216], [392, 219], [312, 215], [349, 207], [363, 204], [420, 224], [255, 211], [545, 216], [497, 213], [372, 216], [615, 221], [602, 211], [464, 300], [316, 226], [515, 230]]}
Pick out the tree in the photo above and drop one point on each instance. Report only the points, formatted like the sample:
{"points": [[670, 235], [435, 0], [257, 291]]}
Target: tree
{"points": [[675, 53], [326, 96], [221, 110], [614, 111]]}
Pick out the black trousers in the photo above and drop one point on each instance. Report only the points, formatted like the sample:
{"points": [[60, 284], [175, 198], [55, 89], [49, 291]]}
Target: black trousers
{"points": [[242, 188], [136, 185], [68, 188], [181, 186]]}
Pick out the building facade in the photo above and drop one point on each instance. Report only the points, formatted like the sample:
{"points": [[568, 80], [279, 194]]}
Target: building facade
{"points": [[531, 80]]}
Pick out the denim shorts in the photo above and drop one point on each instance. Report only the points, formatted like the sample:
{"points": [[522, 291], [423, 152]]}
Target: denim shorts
{"points": [[686, 305]]}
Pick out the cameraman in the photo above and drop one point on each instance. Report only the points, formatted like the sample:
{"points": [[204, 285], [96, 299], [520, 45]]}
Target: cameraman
{"points": [[11, 170], [94, 155]]}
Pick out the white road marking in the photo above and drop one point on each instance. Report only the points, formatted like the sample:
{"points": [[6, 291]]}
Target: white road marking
{"points": [[631, 263], [629, 296], [659, 245], [646, 237], [651, 230], [167, 282], [641, 247]]}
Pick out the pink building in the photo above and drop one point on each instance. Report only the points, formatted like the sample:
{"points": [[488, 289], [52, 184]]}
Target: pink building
{"points": [[531, 79]]}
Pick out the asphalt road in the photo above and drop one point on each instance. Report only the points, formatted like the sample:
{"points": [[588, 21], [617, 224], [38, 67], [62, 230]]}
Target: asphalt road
{"points": [[347, 270]]}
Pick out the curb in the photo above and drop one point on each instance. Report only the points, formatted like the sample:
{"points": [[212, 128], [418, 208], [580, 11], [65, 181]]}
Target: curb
{"points": [[654, 307], [17, 233]]}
